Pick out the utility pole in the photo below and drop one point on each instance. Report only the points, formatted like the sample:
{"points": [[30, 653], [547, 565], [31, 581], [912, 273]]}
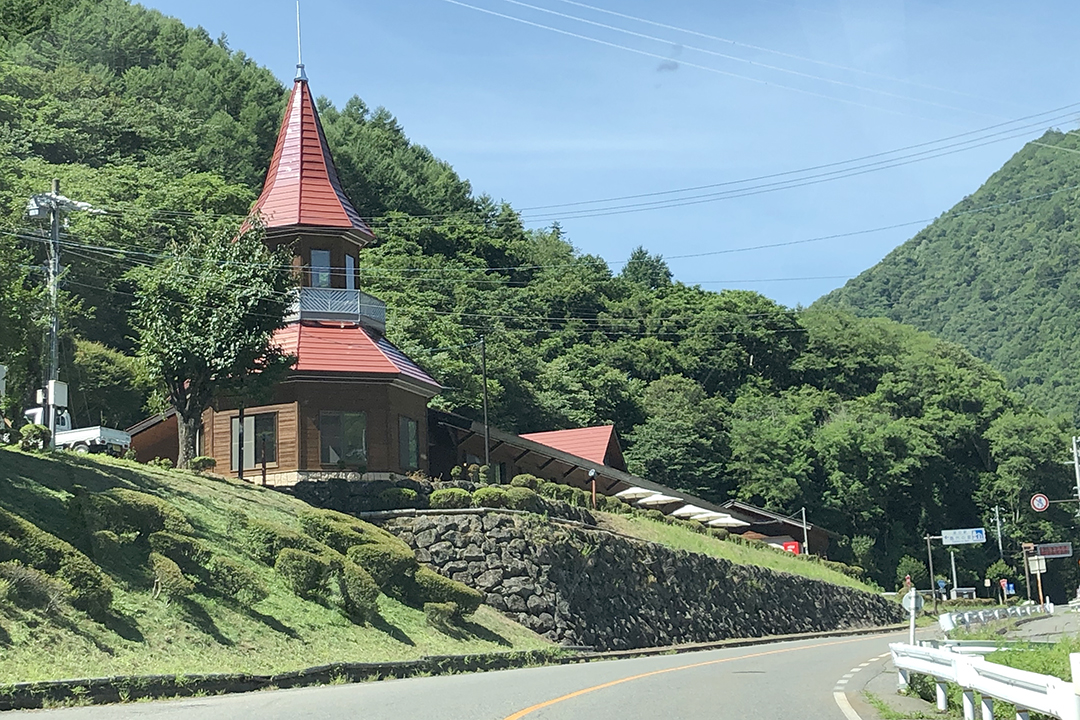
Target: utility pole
{"points": [[930, 562], [53, 205], [997, 521], [1076, 467], [805, 533], [487, 431], [952, 555]]}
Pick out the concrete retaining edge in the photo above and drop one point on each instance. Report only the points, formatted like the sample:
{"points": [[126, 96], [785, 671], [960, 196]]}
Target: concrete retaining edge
{"points": [[126, 688]]}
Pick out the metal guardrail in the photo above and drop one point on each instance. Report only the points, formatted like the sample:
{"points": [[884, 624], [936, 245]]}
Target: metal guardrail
{"points": [[950, 621], [1028, 691]]}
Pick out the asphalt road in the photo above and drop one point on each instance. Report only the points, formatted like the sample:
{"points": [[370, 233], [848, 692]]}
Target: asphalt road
{"points": [[802, 679]]}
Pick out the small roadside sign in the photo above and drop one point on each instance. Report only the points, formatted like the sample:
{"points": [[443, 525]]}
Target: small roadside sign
{"points": [[1036, 565], [792, 546], [913, 601], [965, 536], [1054, 550], [1039, 502], [1004, 584]]}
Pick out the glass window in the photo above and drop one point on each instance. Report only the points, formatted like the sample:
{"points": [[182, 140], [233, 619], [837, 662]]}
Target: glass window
{"points": [[350, 272], [408, 443], [343, 438], [260, 433], [320, 268]]}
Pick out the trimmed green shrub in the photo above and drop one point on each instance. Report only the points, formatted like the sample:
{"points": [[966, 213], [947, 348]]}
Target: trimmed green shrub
{"points": [[430, 586], [304, 573], [391, 566], [439, 614], [187, 552], [168, 578], [490, 496], [30, 588], [719, 533], [527, 481], [161, 463], [340, 531], [106, 546], [655, 515], [457, 473], [202, 463], [522, 498], [612, 504], [397, 498], [122, 511], [233, 579], [359, 592], [263, 540], [484, 475], [473, 473], [445, 498], [90, 589], [34, 438]]}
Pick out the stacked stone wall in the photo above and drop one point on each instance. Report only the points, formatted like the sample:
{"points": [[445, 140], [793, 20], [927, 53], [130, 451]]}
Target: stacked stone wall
{"points": [[580, 586]]}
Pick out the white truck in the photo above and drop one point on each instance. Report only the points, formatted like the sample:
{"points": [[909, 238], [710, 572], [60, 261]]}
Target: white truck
{"points": [[82, 440]]}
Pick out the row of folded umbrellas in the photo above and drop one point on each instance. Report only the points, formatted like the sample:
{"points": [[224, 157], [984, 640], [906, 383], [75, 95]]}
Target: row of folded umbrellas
{"points": [[653, 499]]}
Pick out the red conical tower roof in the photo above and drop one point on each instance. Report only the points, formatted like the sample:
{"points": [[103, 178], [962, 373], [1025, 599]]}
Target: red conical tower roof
{"points": [[302, 190]]}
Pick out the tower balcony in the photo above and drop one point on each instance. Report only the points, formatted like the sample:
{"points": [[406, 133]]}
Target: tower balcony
{"points": [[338, 305]]}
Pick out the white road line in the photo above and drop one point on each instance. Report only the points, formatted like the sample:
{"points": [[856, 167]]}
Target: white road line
{"points": [[866, 663], [845, 706], [848, 676]]}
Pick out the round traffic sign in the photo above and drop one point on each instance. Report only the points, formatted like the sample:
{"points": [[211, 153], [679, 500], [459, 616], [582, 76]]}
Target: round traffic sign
{"points": [[1039, 502], [913, 601]]}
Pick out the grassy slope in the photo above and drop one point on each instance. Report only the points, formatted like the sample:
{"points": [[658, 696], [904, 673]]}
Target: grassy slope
{"points": [[200, 633], [684, 539]]}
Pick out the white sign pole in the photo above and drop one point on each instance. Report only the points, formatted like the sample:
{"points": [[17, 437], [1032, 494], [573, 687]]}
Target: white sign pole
{"points": [[911, 629]]}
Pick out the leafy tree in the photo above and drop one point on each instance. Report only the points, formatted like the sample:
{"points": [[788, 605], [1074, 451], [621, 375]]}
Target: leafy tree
{"points": [[908, 565], [205, 318]]}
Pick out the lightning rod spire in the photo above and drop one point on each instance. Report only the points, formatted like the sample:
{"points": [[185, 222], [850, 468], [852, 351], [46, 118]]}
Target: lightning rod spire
{"points": [[300, 74]]}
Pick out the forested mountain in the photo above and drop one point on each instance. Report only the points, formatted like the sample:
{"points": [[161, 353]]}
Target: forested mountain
{"points": [[998, 274], [882, 432]]}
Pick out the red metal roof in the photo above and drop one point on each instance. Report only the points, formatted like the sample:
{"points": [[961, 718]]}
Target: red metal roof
{"points": [[590, 443], [302, 187], [349, 349]]}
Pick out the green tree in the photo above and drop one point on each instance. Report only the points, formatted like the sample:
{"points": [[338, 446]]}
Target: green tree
{"points": [[908, 565], [205, 318]]}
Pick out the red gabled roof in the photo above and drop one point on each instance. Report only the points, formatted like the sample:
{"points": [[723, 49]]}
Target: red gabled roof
{"points": [[592, 443], [302, 187], [348, 349]]}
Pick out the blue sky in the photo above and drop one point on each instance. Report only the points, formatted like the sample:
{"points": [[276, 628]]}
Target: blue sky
{"points": [[725, 92]]}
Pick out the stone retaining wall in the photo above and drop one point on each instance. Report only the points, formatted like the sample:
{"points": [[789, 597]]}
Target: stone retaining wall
{"points": [[580, 586]]}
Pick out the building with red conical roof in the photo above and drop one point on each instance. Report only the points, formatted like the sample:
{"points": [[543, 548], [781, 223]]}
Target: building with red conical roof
{"points": [[353, 402]]}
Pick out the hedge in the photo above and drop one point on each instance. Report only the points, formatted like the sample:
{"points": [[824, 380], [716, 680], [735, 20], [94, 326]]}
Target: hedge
{"points": [[359, 592], [522, 498], [304, 572], [34, 438], [263, 540], [527, 481], [397, 498], [122, 510], [30, 588], [90, 589], [447, 498], [430, 586], [168, 578], [340, 531], [391, 566], [232, 579], [491, 496], [187, 552]]}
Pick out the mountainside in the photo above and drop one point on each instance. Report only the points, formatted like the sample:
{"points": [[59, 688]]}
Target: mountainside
{"points": [[998, 274], [875, 428]]}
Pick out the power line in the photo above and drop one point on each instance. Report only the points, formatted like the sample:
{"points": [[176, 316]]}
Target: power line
{"points": [[706, 68], [759, 48], [735, 58]]}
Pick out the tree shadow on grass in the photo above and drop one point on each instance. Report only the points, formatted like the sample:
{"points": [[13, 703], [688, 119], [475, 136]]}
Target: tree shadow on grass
{"points": [[461, 629], [5, 637], [123, 626], [380, 623], [195, 614]]}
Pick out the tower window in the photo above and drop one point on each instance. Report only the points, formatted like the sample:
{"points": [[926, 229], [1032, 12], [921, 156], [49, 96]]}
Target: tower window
{"points": [[320, 268]]}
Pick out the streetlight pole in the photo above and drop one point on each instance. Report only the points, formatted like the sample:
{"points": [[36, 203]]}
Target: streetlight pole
{"points": [[997, 521], [930, 562], [805, 533]]}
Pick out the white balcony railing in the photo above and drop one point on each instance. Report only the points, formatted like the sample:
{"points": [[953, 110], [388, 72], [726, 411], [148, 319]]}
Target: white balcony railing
{"points": [[313, 303]]}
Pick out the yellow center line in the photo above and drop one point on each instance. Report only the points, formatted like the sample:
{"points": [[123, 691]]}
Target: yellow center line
{"points": [[569, 696]]}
